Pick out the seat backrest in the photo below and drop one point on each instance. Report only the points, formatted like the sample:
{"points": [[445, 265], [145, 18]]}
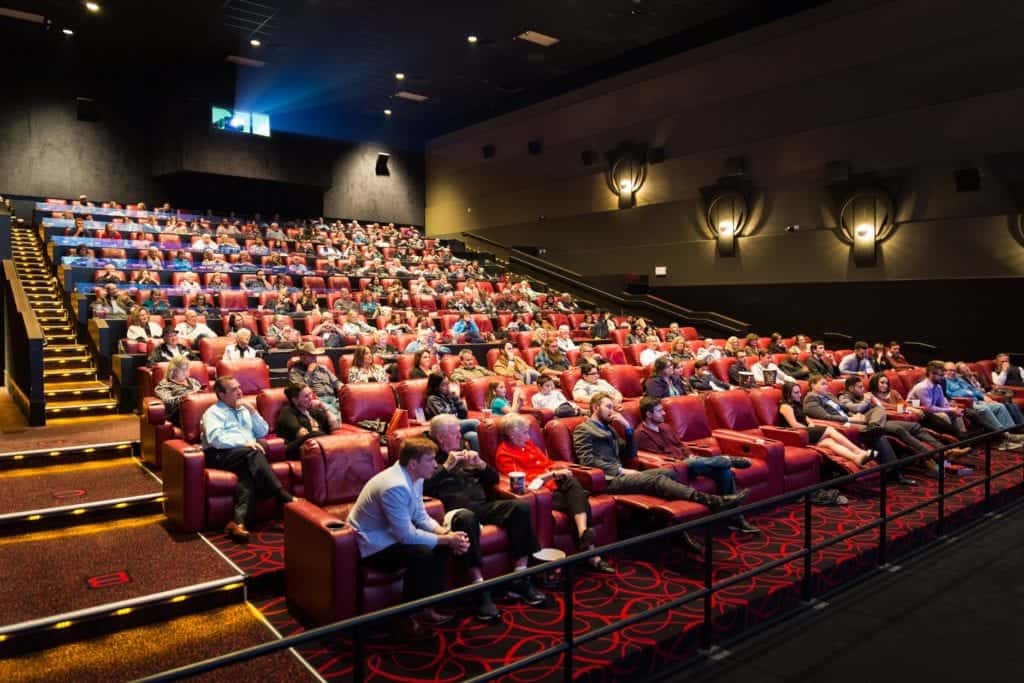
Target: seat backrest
{"points": [[618, 335], [335, 467], [628, 379], [687, 417], [369, 401], [233, 299], [530, 353], [475, 390], [412, 394], [730, 410], [910, 378], [613, 353], [403, 365], [766, 405], [211, 349], [558, 437], [896, 382], [191, 410], [483, 322], [448, 363], [314, 282], [836, 386], [269, 403], [633, 352], [720, 368], [447, 320], [568, 380], [252, 373]]}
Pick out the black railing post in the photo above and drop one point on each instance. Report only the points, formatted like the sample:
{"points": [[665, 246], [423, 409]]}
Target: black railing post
{"points": [[988, 477], [709, 599], [569, 635], [883, 527], [358, 656], [807, 549], [941, 526]]}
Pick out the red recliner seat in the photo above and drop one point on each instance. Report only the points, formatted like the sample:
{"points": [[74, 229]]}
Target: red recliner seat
{"points": [[733, 410], [323, 574], [556, 529], [252, 373], [612, 353], [627, 379], [154, 428], [211, 349], [199, 497], [233, 299], [686, 416]]}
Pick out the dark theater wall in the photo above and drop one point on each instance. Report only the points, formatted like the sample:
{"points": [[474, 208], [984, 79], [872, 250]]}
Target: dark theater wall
{"points": [[907, 90]]}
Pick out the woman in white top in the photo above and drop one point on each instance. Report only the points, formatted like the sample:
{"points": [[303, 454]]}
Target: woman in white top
{"points": [[141, 328]]}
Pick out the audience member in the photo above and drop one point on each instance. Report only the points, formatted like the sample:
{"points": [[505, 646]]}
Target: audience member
{"points": [[857, 361], [176, 384], [303, 418], [443, 399], [364, 369], [468, 368], [317, 376], [590, 383]]}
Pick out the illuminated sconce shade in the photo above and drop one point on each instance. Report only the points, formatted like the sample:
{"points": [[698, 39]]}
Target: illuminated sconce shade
{"points": [[726, 217], [626, 177], [866, 218]]}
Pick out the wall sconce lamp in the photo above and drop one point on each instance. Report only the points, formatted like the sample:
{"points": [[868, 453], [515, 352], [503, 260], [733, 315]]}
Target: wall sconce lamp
{"points": [[726, 217], [866, 218], [626, 177]]}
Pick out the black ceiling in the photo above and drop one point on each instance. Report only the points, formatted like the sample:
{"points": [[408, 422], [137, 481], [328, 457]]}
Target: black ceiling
{"points": [[330, 64]]}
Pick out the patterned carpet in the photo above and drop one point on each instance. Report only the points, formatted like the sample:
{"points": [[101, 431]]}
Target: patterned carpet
{"points": [[648, 578]]}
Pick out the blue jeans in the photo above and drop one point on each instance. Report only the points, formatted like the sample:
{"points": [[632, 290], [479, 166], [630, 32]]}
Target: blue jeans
{"points": [[993, 415], [1015, 414], [718, 468], [468, 428]]}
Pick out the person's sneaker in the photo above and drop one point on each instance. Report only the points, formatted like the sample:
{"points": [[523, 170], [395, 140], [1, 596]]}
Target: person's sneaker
{"points": [[1014, 437], [486, 610], [526, 592], [739, 463], [743, 526], [718, 503], [1008, 445]]}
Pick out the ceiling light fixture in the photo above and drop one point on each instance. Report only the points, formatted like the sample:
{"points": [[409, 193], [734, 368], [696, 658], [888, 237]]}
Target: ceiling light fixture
{"points": [[387, 112], [538, 38], [255, 42], [406, 95], [68, 32], [471, 39], [399, 76], [92, 6]]}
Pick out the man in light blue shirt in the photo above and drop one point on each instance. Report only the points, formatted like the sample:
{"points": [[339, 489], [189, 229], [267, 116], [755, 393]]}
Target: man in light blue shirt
{"points": [[395, 532], [857, 362], [230, 432]]}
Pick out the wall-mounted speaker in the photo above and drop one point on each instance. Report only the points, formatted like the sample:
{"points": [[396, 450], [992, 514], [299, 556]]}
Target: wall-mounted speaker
{"points": [[535, 147], [488, 151], [87, 109], [967, 179], [587, 157], [382, 164]]}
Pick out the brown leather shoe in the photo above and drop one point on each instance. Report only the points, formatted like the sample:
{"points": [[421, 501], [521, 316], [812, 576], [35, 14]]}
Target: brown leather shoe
{"points": [[237, 531]]}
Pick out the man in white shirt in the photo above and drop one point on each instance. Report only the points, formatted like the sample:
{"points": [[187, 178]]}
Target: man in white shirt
{"points": [[564, 339], [709, 351], [765, 364], [651, 353], [241, 349], [192, 328]]}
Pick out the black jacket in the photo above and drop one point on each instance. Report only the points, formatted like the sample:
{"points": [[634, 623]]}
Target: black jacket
{"points": [[460, 488]]}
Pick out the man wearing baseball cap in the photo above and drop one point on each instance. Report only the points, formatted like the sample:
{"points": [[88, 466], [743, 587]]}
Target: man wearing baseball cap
{"points": [[317, 377]]}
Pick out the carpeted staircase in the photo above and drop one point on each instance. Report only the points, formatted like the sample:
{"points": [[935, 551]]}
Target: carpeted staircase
{"points": [[69, 374]]}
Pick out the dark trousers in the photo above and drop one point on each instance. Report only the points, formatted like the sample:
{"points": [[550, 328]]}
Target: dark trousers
{"points": [[660, 482], [913, 435], [511, 515], [571, 498], [424, 568], [943, 424], [255, 477]]}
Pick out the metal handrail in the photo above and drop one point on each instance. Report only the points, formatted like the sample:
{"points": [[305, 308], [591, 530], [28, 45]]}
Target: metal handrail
{"points": [[655, 303], [356, 624]]}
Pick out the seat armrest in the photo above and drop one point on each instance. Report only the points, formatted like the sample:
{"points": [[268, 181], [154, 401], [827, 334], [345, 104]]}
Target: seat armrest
{"points": [[542, 415], [772, 453], [963, 402], [435, 508], [653, 461], [154, 411], [787, 435], [540, 508], [322, 562], [184, 475], [699, 450], [275, 446], [591, 478]]}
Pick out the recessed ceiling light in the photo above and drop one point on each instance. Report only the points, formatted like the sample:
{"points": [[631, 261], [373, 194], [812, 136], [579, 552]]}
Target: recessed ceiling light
{"points": [[387, 112], [245, 61], [68, 32], [255, 42], [538, 38], [92, 6], [471, 39], [399, 76]]}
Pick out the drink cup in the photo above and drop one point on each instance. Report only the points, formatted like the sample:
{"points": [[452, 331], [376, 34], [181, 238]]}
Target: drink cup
{"points": [[517, 482]]}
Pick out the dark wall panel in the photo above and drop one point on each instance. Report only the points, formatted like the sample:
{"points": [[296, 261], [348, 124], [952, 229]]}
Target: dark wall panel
{"points": [[966, 319]]}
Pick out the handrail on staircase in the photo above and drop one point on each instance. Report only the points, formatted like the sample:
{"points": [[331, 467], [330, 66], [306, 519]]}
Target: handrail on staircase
{"points": [[23, 345], [659, 306]]}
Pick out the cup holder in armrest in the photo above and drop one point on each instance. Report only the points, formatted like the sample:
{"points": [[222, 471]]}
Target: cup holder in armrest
{"points": [[335, 525]]}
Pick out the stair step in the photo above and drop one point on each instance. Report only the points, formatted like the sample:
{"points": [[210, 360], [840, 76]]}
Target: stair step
{"points": [[68, 374], [66, 350], [80, 406], [65, 337], [66, 362], [60, 391]]}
